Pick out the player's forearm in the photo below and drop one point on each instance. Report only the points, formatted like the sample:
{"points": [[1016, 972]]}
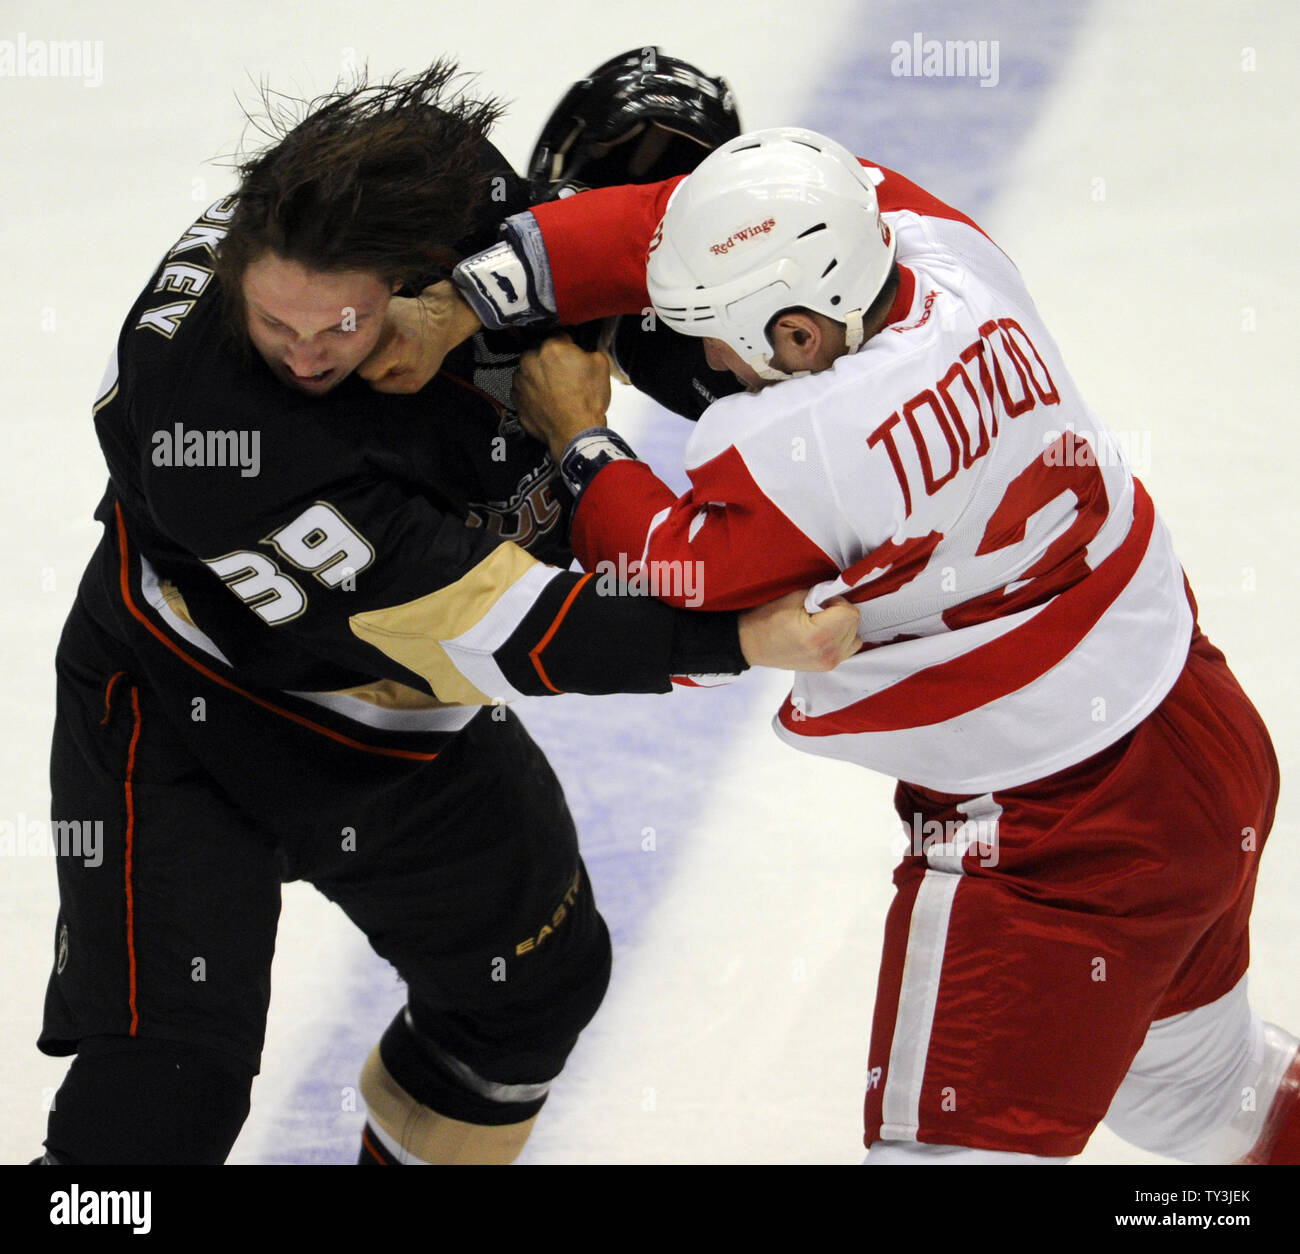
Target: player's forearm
{"points": [[593, 634], [596, 244], [607, 634], [697, 551], [568, 261], [724, 545]]}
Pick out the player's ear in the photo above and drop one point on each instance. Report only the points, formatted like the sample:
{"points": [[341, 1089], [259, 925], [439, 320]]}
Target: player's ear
{"points": [[797, 339]]}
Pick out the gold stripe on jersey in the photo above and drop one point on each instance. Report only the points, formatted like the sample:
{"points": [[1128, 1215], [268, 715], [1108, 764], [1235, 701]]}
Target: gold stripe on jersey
{"points": [[176, 602], [105, 400], [388, 694], [411, 634]]}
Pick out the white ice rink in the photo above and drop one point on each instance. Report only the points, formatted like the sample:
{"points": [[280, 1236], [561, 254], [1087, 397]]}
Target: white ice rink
{"points": [[1138, 161]]}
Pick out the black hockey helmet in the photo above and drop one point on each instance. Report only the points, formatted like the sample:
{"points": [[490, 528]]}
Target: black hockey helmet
{"points": [[639, 118]]}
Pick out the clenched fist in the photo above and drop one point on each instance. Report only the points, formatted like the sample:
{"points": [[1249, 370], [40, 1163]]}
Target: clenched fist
{"points": [[418, 333], [783, 635], [561, 390]]}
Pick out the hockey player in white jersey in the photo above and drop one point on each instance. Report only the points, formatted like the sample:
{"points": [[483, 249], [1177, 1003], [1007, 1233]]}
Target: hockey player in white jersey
{"points": [[1088, 787]]}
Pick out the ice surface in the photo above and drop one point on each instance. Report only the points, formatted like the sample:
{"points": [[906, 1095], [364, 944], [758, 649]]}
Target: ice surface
{"points": [[1132, 165]]}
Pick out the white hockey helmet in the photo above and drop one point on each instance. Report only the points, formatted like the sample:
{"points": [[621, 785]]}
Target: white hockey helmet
{"points": [[769, 221]]}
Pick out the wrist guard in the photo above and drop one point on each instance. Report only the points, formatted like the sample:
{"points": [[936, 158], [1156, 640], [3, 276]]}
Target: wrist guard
{"points": [[587, 453], [509, 284]]}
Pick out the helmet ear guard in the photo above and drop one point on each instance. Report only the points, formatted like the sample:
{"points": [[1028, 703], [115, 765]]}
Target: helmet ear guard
{"points": [[640, 117], [772, 220], [747, 310]]}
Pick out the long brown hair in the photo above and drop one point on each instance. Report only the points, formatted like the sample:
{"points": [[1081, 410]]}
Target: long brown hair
{"points": [[379, 178]]}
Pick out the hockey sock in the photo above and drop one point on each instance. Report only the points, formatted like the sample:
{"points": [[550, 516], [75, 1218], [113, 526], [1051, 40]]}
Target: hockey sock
{"points": [[426, 1107], [374, 1153]]}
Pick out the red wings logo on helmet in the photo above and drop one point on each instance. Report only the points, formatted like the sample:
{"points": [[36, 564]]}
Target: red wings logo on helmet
{"points": [[739, 237]]}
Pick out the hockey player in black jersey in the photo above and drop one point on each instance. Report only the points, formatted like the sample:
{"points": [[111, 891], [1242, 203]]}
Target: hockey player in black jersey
{"points": [[289, 655]]}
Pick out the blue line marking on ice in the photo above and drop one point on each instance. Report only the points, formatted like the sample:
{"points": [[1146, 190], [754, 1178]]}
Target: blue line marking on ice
{"points": [[948, 133], [637, 768]]}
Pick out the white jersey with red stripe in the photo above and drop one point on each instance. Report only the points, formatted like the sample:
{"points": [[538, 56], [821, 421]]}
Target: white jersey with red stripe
{"points": [[1022, 607]]}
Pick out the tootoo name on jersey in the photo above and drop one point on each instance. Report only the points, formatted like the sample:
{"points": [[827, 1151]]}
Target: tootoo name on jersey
{"points": [[374, 535]]}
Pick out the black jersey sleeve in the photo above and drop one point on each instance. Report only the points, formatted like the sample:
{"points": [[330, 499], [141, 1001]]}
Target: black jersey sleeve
{"points": [[478, 621]]}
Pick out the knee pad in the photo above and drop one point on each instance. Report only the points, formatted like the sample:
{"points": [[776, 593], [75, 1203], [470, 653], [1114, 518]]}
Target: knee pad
{"points": [[427, 1106], [917, 1154], [1201, 1087], [144, 1101]]}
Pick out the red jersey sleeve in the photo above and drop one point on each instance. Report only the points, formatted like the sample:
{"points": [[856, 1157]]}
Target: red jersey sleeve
{"points": [[596, 241], [598, 280], [724, 545]]}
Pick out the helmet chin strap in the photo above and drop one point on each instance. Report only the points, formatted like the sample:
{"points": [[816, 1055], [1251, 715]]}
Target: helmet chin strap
{"points": [[762, 366], [853, 330]]}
